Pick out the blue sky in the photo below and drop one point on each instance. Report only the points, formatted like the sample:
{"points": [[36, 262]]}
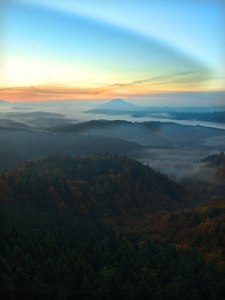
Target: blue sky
{"points": [[195, 27], [105, 49]]}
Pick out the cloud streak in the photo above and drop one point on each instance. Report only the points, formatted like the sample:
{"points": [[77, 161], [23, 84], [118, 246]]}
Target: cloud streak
{"points": [[59, 59], [41, 64], [164, 79]]}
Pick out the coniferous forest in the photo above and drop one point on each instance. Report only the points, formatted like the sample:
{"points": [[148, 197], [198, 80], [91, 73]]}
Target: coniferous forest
{"points": [[107, 227]]}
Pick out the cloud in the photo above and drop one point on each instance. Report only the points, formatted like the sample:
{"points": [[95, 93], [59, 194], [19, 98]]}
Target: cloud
{"points": [[175, 78]]}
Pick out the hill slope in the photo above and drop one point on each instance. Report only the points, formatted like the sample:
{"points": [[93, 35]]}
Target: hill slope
{"points": [[58, 219], [104, 183]]}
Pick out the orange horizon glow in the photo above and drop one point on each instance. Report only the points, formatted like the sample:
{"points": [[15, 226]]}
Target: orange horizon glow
{"points": [[55, 93]]}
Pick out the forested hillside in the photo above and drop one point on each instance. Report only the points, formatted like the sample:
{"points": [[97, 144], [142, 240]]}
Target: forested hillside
{"points": [[106, 227]]}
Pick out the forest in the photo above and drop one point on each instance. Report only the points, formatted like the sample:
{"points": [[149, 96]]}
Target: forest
{"points": [[104, 226]]}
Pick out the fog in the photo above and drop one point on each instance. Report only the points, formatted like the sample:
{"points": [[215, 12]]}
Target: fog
{"points": [[173, 147], [180, 165], [77, 112]]}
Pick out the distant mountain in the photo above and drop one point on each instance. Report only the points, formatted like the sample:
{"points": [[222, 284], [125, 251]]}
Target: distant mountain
{"points": [[120, 104]]}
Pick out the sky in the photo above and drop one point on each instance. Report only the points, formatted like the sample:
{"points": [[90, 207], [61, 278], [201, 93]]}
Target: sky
{"points": [[137, 50]]}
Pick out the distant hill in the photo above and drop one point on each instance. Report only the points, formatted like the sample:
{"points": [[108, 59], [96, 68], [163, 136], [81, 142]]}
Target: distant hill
{"points": [[120, 107], [21, 108], [18, 145], [163, 134], [120, 104], [7, 123], [35, 114], [3, 102], [216, 116]]}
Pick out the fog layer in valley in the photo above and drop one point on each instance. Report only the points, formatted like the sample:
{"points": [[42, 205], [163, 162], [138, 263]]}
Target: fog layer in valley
{"points": [[179, 165], [172, 147]]}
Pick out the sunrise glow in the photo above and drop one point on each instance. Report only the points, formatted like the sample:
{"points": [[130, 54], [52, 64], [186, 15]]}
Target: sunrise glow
{"points": [[54, 51]]}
